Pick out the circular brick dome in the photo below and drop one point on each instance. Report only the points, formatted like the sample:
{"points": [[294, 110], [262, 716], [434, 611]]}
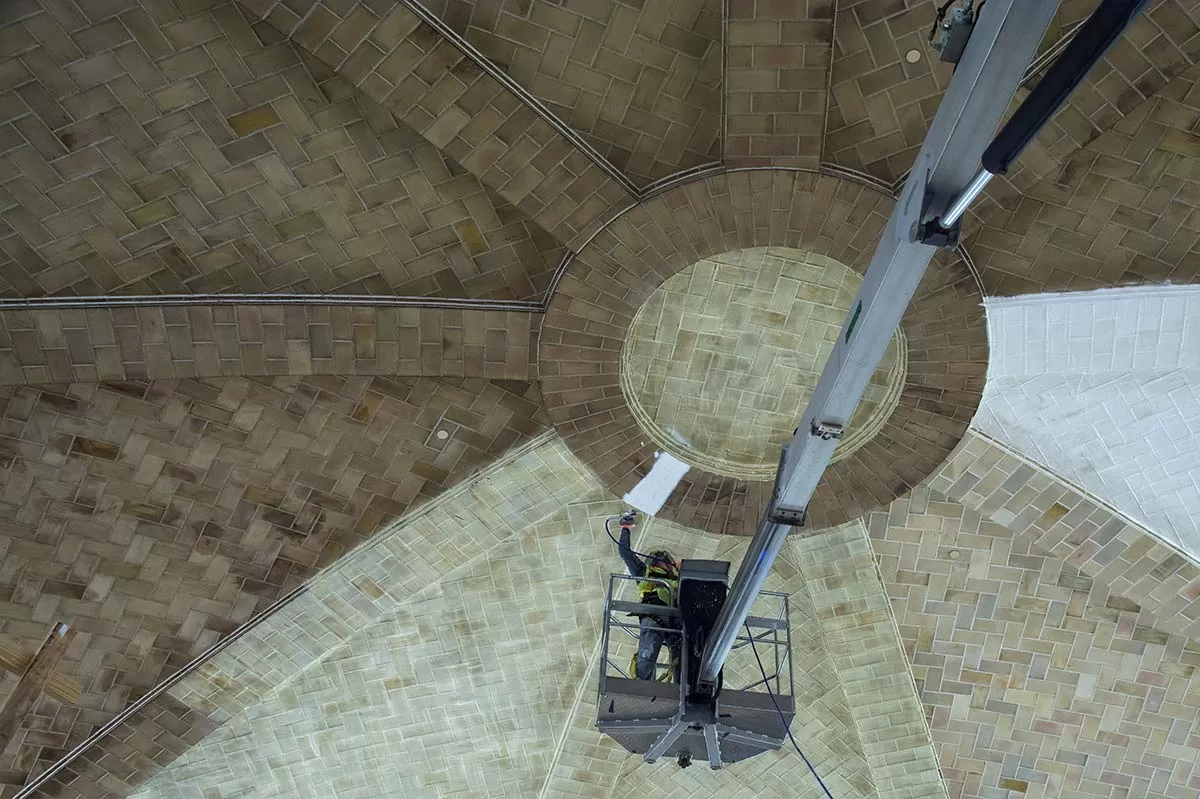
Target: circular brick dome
{"points": [[722, 359], [615, 418]]}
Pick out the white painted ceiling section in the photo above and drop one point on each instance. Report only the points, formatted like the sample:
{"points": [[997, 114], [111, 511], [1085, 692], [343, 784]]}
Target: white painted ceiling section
{"points": [[1103, 387]]}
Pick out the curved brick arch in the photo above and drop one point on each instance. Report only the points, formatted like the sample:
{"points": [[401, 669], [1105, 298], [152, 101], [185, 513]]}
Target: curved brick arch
{"points": [[83, 345], [601, 291]]}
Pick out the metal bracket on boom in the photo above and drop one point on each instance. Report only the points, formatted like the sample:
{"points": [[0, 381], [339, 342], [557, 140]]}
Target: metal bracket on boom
{"points": [[933, 234], [955, 31], [933, 231], [776, 513], [826, 430], [779, 513], [792, 518]]}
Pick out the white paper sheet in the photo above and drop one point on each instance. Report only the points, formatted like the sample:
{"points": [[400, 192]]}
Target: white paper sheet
{"points": [[651, 493]]}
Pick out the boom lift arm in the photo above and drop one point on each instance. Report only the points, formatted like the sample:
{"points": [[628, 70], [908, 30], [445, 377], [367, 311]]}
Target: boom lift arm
{"points": [[946, 177], [993, 50]]}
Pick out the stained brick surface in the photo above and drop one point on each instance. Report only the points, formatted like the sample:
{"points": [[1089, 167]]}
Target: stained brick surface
{"points": [[1062, 521], [431, 86], [1036, 677], [175, 150], [641, 81], [1120, 210], [881, 104], [579, 358], [78, 345], [859, 630], [156, 516], [778, 58], [167, 472]]}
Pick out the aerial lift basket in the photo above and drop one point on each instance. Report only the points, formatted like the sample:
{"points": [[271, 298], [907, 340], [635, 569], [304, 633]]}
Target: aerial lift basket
{"points": [[659, 717]]}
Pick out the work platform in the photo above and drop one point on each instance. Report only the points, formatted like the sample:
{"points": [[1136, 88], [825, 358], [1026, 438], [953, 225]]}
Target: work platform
{"points": [[652, 718]]}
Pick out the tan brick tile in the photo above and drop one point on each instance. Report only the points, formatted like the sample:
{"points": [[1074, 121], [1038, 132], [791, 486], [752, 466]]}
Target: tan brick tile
{"points": [[244, 496], [998, 627], [622, 78], [1101, 221], [76, 351], [199, 126]]}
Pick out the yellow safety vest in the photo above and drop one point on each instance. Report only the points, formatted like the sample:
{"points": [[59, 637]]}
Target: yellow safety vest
{"points": [[655, 592]]}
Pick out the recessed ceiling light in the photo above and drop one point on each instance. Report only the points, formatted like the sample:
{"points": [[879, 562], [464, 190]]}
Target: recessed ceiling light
{"points": [[442, 435], [912, 56]]}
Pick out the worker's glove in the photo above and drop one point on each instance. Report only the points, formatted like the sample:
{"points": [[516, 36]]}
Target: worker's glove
{"points": [[628, 518]]}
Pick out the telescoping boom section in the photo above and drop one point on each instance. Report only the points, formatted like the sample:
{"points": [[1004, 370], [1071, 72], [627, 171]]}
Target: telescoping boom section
{"points": [[697, 710]]}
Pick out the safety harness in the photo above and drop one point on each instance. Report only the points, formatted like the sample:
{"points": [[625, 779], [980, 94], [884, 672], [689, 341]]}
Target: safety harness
{"points": [[655, 593]]}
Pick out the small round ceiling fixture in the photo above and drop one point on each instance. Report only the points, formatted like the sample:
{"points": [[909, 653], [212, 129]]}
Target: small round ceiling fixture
{"points": [[442, 435], [912, 56]]}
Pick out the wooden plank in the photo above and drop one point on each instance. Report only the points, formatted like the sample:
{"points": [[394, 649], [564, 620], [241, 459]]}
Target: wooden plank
{"points": [[32, 682], [16, 658]]}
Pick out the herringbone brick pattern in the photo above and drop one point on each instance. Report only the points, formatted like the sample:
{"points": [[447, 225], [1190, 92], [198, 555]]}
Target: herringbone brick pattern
{"points": [[726, 353], [822, 725], [357, 591], [1036, 679], [156, 516], [603, 288], [1088, 679], [468, 684], [1121, 210], [158, 150], [882, 104], [859, 631], [461, 523], [585, 765], [148, 343], [1059, 519], [1159, 45], [156, 146], [156, 736], [1114, 407], [509, 496], [642, 81], [778, 57], [389, 55], [462, 687]]}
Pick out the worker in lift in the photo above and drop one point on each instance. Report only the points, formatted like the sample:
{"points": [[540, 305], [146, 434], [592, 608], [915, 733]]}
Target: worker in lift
{"points": [[657, 567]]}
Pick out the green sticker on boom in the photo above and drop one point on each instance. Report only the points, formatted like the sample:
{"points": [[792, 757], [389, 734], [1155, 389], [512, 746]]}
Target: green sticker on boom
{"points": [[853, 320]]}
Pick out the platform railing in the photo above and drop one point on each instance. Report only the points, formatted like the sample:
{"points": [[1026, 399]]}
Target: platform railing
{"points": [[769, 632]]}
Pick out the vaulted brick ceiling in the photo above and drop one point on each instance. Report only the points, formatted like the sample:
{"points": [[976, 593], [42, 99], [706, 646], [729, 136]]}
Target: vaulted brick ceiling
{"points": [[640, 81], [170, 470]]}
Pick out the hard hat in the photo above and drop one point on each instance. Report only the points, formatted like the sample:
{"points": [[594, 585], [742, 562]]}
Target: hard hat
{"points": [[661, 557]]}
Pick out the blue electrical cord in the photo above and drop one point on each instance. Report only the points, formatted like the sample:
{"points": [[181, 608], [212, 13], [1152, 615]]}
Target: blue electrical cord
{"points": [[783, 718]]}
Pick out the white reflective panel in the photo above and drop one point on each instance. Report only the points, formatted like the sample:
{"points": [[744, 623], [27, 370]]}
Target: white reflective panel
{"points": [[1103, 388], [651, 493]]}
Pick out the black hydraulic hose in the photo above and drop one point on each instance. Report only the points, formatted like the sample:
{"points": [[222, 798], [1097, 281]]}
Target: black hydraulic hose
{"points": [[1091, 42], [647, 558]]}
